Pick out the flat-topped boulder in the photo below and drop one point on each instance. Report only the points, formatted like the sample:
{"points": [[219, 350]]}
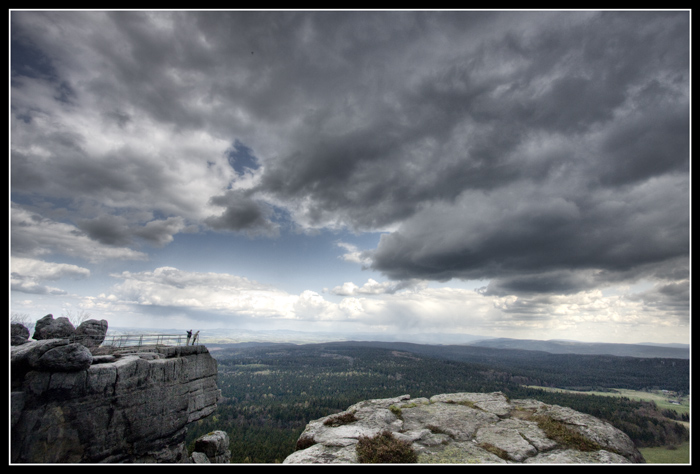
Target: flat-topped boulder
{"points": [[468, 428]]}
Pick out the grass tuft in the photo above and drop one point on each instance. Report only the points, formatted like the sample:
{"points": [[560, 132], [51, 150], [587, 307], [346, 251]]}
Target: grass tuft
{"points": [[385, 448], [304, 442], [564, 435], [396, 411]]}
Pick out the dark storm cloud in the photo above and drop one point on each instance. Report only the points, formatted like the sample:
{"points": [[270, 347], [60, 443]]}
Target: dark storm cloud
{"points": [[120, 231], [73, 171], [108, 230], [28, 60], [529, 241], [242, 214], [545, 151], [671, 298], [561, 281], [603, 96]]}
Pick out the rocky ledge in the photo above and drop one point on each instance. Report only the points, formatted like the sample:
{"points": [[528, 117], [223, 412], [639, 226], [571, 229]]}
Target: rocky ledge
{"points": [[70, 406], [468, 428]]}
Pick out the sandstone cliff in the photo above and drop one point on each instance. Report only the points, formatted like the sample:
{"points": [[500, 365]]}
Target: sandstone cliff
{"points": [[468, 428], [107, 409]]}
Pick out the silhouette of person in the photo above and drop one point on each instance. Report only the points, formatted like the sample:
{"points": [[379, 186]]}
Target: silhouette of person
{"points": [[189, 335]]}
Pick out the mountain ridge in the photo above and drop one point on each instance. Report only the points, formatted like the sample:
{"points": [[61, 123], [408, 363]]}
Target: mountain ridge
{"points": [[558, 346], [551, 346]]}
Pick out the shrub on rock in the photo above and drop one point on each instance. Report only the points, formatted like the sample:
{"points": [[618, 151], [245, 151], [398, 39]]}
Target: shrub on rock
{"points": [[384, 448]]}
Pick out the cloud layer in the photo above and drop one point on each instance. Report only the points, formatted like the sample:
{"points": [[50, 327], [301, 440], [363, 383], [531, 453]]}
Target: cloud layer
{"points": [[544, 152]]}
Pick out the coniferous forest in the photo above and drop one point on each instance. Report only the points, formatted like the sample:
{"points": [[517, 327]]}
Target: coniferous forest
{"points": [[271, 391]]}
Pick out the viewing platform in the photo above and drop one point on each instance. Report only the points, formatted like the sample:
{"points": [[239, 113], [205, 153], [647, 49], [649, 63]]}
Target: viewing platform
{"points": [[143, 342]]}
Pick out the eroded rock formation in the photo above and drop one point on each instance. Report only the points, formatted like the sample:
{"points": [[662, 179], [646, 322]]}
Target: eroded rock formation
{"points": [[50, 328], [19, 334], [68, 406], [212, 448], [468, 428], [90, 333]]}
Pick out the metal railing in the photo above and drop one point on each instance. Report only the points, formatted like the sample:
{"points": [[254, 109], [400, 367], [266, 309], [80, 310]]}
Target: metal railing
{"points": [[137, 341]]}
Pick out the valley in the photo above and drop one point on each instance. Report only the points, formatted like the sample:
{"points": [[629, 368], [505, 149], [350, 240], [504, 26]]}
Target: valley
{"points": [[271, 391]]}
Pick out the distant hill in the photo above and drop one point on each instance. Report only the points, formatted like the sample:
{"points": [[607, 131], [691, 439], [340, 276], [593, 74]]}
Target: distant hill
{"points": [[554, 346], [239, 335]]}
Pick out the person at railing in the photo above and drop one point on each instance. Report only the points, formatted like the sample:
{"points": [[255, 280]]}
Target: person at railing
{"points": [[189, 336], [196, 336]]}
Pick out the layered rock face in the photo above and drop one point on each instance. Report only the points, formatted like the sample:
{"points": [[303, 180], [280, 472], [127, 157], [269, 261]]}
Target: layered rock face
{"points": [[468, 428], [71, 407]]}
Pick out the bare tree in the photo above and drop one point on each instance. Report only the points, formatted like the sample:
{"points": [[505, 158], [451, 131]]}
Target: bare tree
{"points": [[78, 318], [21, 318]]}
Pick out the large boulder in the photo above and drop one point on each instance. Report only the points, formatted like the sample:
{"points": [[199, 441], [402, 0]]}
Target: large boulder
{"points": [[91, 333], [26, 356], [19, 334], [49, 355], [68, 358], [50, 328], [212, 448], [468, 428]]}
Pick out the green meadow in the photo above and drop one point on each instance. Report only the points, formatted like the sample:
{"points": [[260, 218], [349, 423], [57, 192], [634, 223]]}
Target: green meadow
{"points": [[662, 399], [663, 455]]}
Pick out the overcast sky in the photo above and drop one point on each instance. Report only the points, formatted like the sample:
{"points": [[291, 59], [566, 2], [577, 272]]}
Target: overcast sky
{"points": [[505, 174]]}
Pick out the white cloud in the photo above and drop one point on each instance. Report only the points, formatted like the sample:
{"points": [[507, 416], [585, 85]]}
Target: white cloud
{"points": [[373, 287], [215, 292], [237, 296], [173, 293], [354, 255], [586, 315], [28, 275], [42, 270]]}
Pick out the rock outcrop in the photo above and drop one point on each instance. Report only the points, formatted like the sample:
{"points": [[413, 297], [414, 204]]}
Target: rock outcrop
{"points": [[90, 333], [212, 448], [50, 328], [468, 428], [19, 334], [68, 406]]}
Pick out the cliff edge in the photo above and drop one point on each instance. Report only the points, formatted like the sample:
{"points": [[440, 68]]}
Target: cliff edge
{"points": [[465, 428], [68, 406]]}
